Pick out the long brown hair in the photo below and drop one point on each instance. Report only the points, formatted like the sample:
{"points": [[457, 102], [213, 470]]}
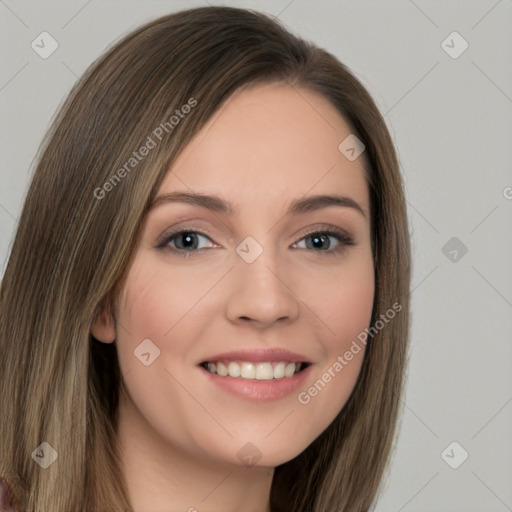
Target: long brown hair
{"points": [[78, 232]]}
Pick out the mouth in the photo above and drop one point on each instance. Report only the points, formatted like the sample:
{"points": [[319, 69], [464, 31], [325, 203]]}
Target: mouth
{"points": [[257, 374], [263, 370]]}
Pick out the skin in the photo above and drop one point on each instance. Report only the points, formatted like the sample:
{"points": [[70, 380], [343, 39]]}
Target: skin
{"points": [[266, 146]]}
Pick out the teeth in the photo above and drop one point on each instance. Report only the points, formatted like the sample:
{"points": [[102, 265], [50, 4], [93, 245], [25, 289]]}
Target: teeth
{"points": [[264, 371], [254, 371], [289, 370], [247, 370], [233, 369], [222, 370], [279, 370]]}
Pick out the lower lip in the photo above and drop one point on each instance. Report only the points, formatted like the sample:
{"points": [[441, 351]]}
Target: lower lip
{"points": [[259, 390]]}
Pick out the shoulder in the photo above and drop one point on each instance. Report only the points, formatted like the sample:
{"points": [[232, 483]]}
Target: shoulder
{"points": [[6, 497]]}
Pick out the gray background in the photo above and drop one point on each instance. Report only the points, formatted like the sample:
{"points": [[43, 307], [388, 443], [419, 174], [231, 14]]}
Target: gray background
{"points": [[452, 122]]}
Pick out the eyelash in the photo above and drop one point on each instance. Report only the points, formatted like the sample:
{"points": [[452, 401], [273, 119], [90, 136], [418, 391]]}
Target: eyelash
{"points": [[343, 238]]}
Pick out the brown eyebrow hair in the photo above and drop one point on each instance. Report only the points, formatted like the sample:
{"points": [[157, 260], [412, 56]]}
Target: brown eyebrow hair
{"points": [[216, 204]]}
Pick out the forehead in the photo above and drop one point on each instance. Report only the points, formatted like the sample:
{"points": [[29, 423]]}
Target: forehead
{"points": [[268, 142]]}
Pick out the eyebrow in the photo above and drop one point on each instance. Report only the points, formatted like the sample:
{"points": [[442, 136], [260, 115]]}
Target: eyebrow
{"points": [[217, 204]]}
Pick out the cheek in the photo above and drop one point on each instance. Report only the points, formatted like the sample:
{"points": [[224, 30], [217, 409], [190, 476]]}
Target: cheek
{"points": [[155, 327], [350, 308], [343, 300], [156, 304], [148, 309], [344, 305]]}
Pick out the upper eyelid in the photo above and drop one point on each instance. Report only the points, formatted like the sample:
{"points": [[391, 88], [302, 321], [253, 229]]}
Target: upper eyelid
{"points": [[171, 233]]}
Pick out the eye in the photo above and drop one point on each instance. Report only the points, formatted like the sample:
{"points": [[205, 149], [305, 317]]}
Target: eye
{"points": [[186, 242], [327, 241], [183, 242]]}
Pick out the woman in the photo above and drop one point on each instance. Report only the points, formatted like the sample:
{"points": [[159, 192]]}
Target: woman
{"points": [[206, 303]]}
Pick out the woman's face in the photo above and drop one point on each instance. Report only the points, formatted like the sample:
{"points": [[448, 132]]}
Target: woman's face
{"points": [[254, 284]]}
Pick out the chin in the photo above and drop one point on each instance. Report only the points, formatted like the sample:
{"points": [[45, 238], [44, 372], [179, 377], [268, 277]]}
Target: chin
{"points": [[258, 452]]}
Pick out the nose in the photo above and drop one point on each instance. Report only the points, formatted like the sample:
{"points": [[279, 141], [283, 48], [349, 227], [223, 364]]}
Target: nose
{"points": [[261, 293]]}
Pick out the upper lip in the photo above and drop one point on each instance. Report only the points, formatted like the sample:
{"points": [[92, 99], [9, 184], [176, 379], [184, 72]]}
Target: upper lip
{"points": [[260, 356]]}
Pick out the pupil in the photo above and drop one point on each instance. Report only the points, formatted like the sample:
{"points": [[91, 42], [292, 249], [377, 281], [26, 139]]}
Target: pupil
{"points": [[188, 238], [318, 240]]}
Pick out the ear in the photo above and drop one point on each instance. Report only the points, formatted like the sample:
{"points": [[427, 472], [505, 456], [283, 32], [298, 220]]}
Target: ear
{"points": [[103, 328]]}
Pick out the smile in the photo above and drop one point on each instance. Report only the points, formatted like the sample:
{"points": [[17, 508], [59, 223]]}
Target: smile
{"points": [[254, 371], [259, 380]]}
